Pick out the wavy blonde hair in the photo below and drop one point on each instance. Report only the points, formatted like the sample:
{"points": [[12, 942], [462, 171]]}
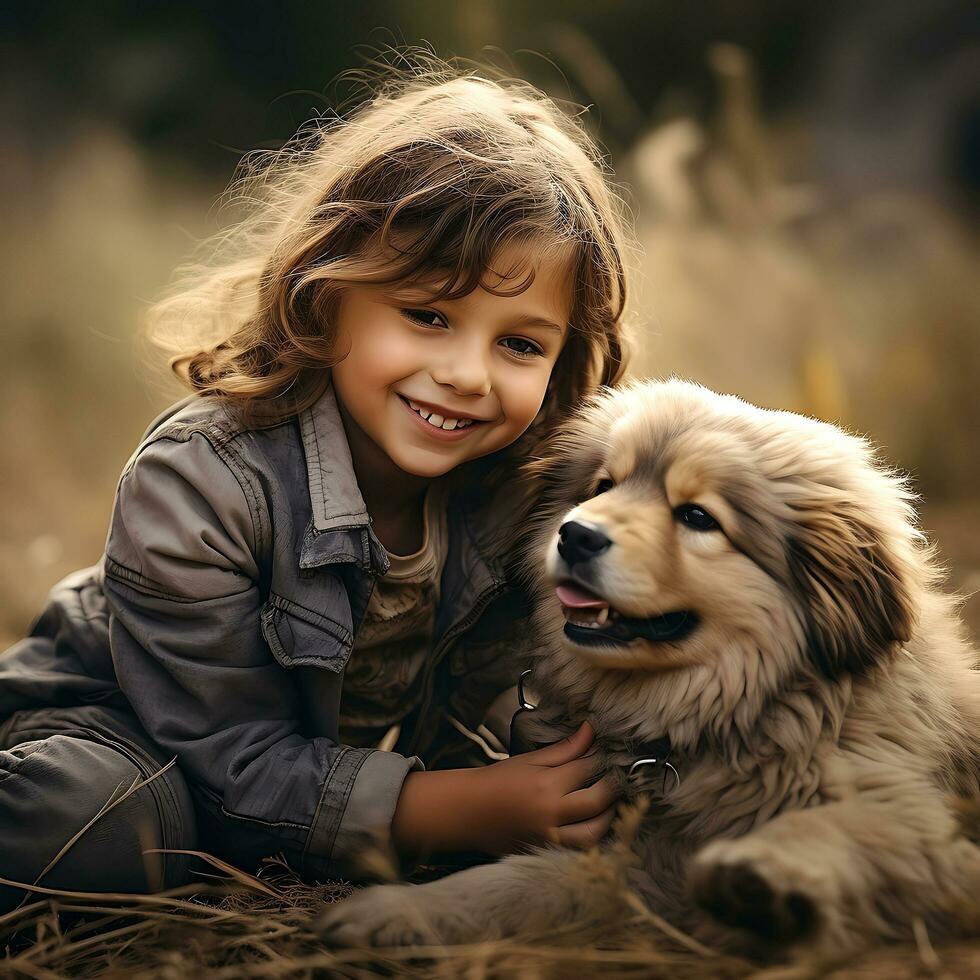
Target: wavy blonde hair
{"points": [[428, 181]]}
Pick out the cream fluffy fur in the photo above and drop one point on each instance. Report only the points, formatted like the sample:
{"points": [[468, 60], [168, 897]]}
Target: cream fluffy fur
{"points": [[821, 715]]}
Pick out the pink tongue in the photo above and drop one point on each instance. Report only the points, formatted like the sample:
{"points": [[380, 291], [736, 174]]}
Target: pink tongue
{"points": [[572, 595]]}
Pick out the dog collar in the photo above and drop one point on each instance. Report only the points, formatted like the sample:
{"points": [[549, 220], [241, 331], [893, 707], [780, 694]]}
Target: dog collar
{"points": [[655, 754]]}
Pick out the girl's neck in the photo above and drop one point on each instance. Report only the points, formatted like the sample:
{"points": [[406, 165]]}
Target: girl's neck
{"points": [[393, 497]]}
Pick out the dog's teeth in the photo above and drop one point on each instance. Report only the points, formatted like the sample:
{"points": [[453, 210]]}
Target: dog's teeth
{"points": [[603, 615]]}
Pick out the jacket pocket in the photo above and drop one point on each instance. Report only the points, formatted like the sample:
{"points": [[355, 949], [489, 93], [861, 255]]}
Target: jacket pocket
{"points": [[300, 637]]}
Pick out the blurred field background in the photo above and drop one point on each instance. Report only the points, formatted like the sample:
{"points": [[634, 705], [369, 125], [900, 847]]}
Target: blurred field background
{"points": [[804, 176]]}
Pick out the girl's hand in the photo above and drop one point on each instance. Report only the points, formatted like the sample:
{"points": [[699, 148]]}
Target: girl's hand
{"points": [[550, 794]]}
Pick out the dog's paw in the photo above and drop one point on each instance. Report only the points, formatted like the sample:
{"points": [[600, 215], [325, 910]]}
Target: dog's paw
{"points": [[382, 915], [747, 891]]}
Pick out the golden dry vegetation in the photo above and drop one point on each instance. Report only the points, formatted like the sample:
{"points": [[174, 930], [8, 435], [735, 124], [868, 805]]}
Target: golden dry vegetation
{"points": [[263, 926]]}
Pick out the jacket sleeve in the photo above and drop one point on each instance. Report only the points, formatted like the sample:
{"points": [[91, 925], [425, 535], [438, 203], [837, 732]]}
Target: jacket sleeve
{"points": [[181, 583]]}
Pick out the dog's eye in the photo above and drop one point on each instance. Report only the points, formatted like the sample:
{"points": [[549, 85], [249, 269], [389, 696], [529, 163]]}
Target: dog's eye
{"points": [[602, 486], [695, 517]]}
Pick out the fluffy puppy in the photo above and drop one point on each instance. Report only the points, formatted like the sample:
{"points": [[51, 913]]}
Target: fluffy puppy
{"points": [[741, 603]]}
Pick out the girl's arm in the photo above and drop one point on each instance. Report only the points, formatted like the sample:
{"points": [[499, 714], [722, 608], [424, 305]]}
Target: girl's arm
{"points": [[181, 583]]}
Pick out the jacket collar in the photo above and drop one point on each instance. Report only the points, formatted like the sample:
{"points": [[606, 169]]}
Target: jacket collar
{"points": [[334, 494], [339, 528]]}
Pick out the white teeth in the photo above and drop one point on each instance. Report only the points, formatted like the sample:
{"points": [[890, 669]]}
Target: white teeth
{"points": [[578, 618], [437, 420]]}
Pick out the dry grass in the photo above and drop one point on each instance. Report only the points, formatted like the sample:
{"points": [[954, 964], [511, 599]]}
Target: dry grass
{"points": [[244, 926], [263, 926], [237, 932]]}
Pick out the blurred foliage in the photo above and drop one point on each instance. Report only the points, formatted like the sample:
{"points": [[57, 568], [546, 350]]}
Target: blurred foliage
{"points": [[195, 79], [863, 311], [804, 180]]}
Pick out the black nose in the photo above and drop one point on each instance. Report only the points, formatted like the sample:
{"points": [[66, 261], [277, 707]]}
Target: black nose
{"points": [[578, 541]]}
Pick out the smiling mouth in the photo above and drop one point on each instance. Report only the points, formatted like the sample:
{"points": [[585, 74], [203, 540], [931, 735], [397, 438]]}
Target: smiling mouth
{"points": [[591, 621], [438, 421]]}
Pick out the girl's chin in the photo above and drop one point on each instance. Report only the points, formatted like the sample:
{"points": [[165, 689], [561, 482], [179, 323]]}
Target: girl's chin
{"points": [[431, 464], [427, 469]]}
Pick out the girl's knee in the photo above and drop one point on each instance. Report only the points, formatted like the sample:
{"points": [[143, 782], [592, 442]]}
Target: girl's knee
{"points": [[72, 817]]}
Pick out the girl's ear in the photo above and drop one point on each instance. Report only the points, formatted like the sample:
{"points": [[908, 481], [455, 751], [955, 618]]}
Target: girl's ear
{"points": [[858, 588]]}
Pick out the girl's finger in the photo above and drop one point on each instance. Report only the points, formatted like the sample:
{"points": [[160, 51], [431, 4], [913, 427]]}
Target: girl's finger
{"points": [[564, 751], [578, 773], [586, 833], [584, 804]]}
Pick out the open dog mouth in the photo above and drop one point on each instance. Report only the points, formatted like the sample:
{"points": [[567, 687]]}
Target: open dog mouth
{"points": [[591, 621]]}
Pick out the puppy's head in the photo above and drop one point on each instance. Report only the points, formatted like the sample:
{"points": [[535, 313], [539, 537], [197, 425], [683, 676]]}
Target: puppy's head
{"points": [[680, 527]]}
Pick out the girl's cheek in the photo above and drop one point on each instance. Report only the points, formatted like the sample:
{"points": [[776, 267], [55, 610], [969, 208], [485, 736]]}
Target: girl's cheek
{"points": [[527, 396], [389, 350]]}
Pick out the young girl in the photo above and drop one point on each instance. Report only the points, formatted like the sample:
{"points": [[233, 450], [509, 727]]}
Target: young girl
{"points": [[304, 592]]}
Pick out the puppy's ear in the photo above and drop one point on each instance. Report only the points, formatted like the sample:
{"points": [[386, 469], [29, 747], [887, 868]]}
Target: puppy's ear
{"points": [[532, 501], [564, 471], [541, 468], [541, 478], [857, 588]]}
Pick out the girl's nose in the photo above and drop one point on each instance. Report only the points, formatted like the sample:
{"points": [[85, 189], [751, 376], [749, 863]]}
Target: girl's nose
{"points": [[464, 371]]}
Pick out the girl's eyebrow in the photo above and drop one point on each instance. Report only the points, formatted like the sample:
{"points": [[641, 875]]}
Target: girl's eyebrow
{"points": [[530, 319], [408, 294]]}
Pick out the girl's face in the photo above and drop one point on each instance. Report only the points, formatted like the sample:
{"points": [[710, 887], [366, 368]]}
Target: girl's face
{"points": [[437, 384]]}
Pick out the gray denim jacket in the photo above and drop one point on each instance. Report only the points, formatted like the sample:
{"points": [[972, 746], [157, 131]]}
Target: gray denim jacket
{"points": [[238, 565]]}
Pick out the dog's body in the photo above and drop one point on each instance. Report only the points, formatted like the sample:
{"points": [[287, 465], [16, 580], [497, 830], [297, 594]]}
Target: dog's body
{"points": [[748, 588]]}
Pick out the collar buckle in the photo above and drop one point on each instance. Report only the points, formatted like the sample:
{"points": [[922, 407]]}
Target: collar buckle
{"points": [[661, 760], [521, 699]]}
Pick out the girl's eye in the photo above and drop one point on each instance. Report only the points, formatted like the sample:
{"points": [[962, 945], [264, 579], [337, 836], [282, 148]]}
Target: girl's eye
{"points": [[603, 486], [522, 347], [426, 318], [519, 346], [695, 517]]}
